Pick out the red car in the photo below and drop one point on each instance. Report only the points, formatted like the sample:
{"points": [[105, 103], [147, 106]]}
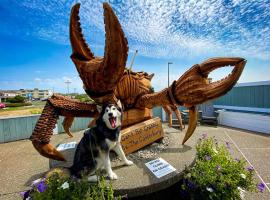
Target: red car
{"points": [[2, 105]]}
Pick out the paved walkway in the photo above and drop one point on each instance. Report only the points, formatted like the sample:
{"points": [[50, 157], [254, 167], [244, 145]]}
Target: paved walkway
{"points": [[20, 163]]}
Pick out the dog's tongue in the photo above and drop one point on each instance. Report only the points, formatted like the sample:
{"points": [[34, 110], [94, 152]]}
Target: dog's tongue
{"points": [[113, 122]]}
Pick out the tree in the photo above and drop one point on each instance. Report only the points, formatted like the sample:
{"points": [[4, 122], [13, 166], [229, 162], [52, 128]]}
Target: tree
{"points": [[83, 98], [16, 99]]}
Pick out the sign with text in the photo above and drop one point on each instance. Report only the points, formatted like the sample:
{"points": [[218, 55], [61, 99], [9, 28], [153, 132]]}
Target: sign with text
{"points": [[159, 167], [65, 146], [141, 134]]}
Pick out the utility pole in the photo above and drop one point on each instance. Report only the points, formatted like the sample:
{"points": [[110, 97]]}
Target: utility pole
{"points": [[132, 62], [169, 63], [67, 82]]}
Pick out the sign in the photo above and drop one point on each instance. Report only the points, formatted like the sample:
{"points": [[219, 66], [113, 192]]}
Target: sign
{"points": [[29, 95], [65, 146], [141, 134], [159, 167]]}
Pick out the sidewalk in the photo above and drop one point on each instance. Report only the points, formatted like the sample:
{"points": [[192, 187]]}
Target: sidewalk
{"points": [[20, 164]]}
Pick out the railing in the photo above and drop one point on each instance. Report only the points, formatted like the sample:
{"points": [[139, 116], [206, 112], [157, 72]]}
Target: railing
{"points": [[21, 127], [18, 128]]}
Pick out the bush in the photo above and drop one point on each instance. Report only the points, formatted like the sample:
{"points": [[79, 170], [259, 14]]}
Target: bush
{"points": [[62, 188], [16, 99], [216, 174], [83, 98], [36, 111], [17, 104]]}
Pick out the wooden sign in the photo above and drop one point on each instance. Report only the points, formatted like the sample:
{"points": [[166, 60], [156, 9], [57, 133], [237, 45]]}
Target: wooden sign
{"points": [[141, 134]]}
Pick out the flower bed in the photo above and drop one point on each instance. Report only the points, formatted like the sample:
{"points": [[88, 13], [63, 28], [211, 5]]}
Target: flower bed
{"points": [[216, 174], [59, 188]]}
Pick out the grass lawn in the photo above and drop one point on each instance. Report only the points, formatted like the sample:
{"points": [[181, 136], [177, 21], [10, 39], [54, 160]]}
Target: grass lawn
{"points": [[36, 108]]}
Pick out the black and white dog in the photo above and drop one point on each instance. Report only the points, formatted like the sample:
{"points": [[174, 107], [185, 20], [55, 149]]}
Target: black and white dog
{"points": [[92, 152]]}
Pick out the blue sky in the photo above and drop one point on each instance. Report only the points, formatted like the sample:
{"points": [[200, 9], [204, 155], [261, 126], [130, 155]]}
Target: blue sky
{"points": [[35, 49]]}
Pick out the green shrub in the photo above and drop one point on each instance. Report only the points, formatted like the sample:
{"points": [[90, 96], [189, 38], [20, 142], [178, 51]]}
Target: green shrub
{"points": [[83, 98], [16, 99], [216, 174], [68, 189], [36, 111], [17, 104]]}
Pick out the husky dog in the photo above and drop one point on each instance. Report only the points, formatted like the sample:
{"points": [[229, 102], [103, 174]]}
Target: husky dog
{"points": [[92, 152]]}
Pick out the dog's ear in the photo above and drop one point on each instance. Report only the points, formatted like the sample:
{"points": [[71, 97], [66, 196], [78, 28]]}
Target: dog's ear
{"points": [[119, 104], [99, 108]]}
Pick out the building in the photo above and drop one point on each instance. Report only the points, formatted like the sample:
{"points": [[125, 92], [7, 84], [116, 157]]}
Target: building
{"points": [[27, 93], [4, 94], [8, 93], [35, 93], [246, 106]]}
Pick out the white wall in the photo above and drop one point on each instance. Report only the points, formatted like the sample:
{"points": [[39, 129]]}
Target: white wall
{"points": [[248, 121]]}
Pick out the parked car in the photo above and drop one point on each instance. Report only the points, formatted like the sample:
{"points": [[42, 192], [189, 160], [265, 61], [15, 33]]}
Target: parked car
{"points": [[2, 105]]}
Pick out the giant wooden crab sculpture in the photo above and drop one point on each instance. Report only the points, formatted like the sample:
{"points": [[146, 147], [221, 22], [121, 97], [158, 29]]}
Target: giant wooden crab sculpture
{"points": [[106, 80]]}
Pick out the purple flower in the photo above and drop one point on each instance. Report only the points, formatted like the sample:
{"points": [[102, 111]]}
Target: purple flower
{"points": [[41, 186], [261, 186], [250, 168], [207, 157], [37, 181], [25, 194], [218, 167]]}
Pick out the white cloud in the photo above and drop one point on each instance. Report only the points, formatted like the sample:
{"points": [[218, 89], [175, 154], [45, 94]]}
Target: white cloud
{"points": [[174, 29], [59, 85]]}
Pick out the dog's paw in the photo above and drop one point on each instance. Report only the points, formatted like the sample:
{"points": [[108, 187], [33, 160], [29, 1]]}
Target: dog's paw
{"points": [[129, 162], [113, 176]]}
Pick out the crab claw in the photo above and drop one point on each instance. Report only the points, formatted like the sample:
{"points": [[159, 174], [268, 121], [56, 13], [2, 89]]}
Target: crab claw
{"points": [[95, 72], [194, 88]]}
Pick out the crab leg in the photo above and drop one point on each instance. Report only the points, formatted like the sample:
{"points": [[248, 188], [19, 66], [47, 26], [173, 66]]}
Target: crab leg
{"points": [[168, 111], [178, 116], [57, 106], [67, 123], [192, 123]]}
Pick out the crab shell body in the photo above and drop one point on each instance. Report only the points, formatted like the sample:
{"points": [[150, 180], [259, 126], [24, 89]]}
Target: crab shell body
{"points": [[106, 80]]}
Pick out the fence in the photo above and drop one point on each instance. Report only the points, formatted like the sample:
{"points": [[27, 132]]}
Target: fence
{"points": [[18, 128]]}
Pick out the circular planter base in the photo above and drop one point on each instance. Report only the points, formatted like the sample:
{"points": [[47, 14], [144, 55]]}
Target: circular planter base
{"points": [[137, 180]]}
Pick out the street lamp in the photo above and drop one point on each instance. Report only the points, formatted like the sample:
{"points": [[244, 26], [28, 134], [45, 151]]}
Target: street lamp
{"points": [[169, 63]]}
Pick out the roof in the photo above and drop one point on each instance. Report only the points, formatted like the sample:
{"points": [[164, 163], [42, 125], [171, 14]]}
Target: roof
{"points": [[252, 83]]}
